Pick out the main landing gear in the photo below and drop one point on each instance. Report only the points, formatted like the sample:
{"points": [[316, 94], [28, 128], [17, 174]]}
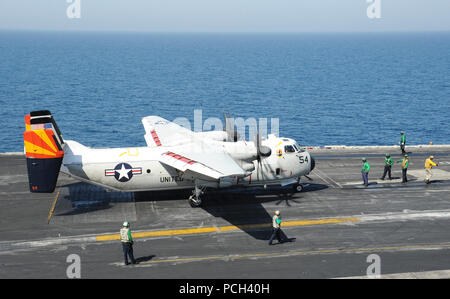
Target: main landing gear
{"points": [[194, 199]]}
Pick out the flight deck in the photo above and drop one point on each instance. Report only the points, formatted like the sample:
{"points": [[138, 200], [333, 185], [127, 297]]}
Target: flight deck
{"points": [[333, 225]]}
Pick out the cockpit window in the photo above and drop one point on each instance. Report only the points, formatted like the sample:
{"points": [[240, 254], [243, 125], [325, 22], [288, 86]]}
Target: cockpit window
{"points": [[289, 149], [298, 148]]}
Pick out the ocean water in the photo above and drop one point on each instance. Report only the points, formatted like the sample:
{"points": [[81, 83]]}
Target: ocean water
{"points": [[341, 89]]}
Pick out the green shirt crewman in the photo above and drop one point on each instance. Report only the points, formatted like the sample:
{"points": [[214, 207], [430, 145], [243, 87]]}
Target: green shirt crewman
{"points": [[127, 243], [276, 229], [366, 166], [402, 142], [365, 171], [388, 162]]}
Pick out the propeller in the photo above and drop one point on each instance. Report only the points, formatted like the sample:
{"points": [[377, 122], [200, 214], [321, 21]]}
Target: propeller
{"points": [[262, 151], [232, 134]]}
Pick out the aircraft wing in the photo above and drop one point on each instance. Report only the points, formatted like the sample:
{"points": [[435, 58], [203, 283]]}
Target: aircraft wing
{"points": [[161, 132], [201, 160], [189, 153]]}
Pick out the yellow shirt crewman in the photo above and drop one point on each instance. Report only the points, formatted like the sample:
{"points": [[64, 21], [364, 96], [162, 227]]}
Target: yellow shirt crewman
{"points": [[429, 163]]}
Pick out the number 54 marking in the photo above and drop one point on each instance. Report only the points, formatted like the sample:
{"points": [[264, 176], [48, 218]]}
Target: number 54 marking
{"points": [[303, 159]]}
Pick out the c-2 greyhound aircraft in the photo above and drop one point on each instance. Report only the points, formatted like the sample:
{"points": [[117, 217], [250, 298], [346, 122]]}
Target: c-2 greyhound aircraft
{"points": [[174, 158]]}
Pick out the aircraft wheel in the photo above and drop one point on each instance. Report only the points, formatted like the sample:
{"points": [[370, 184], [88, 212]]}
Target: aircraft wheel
{"points": [[195, 202], [298, 187]]}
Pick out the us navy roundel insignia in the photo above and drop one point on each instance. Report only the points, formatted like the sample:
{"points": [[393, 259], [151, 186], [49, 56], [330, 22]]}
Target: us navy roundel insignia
{"points": [[123, 172]]}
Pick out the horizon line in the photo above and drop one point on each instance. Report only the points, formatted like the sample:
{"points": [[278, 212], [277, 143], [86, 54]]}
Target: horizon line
{"points": [[218, 32]]}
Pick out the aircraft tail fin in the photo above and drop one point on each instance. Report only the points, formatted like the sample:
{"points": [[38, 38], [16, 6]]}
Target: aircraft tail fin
{"points": [[43, 151]]}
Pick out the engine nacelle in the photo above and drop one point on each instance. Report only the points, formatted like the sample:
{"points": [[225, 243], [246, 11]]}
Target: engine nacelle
{"points": [[213, 135]]}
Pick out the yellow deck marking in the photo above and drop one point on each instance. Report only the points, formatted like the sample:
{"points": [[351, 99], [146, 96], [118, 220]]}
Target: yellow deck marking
{"points": [[203, 230], [122, 154], [320, 221]]}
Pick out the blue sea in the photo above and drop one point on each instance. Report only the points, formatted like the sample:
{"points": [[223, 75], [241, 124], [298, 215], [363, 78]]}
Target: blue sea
{"points": [[340, 89]]}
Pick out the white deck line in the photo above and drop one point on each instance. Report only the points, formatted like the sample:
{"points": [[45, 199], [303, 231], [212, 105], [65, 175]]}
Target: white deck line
{"points": [[439, 274]]}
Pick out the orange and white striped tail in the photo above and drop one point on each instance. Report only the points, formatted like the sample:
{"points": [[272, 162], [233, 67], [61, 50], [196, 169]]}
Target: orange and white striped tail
{"points": [[43, 151]]}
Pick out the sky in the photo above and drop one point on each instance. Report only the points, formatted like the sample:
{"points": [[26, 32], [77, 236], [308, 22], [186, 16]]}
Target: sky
{"points": [[226, 15]]}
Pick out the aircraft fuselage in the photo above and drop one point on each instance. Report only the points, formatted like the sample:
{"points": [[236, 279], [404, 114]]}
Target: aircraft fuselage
{"points": [[138, 169]]}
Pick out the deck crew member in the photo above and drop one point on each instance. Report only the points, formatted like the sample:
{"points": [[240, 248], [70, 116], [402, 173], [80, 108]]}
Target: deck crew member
{"points": [[276, 228], [405, 162], [388, 162], [402, 142], [127, 243], [429, 163], [365, 171]]}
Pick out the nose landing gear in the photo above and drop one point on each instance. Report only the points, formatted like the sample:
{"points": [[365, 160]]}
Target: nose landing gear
{"points": [[297, 187]]}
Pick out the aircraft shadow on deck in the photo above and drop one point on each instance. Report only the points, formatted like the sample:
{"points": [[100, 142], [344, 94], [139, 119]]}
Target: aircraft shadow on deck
{"points": [[241, 207], [244, 207], [79, 198]]}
